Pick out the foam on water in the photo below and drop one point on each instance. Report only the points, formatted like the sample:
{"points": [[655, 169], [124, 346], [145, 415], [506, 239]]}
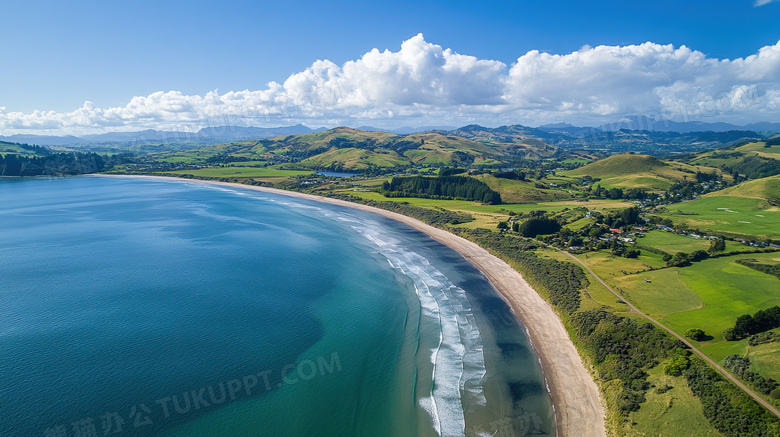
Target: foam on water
{"points": [[457, 362], [458, 365]]}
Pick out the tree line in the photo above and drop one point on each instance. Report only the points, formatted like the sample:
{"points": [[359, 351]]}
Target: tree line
{"points": [[770, 269], [741, 368], [56, 164], [442, 187], [746, 324]]}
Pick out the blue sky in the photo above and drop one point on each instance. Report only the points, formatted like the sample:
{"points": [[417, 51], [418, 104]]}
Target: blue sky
{"points": [[58, 55]]}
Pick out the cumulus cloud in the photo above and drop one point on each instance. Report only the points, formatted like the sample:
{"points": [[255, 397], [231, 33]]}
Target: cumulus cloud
{"points": [[423, 83]]}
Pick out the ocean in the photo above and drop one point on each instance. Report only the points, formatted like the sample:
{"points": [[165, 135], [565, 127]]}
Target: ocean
{"points": [[151, 307]]}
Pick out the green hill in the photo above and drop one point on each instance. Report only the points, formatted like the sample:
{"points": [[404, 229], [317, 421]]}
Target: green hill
{"points": [[354, 159], [353, 149], [622, 164], [765, 189], [519, 140], [628, 170], [345, 148], [754, 160], [515, 191], [22, 149]]}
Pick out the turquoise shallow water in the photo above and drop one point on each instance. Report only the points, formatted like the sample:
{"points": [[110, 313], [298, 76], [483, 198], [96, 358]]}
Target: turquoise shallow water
{"points": [[147, 307]]}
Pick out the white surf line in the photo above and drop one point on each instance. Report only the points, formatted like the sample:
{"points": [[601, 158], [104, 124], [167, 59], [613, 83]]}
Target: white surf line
{"points": [[458, 360]]}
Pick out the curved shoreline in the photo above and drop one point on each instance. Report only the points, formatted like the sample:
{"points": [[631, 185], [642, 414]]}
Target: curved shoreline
{"points": [[575, 396]]}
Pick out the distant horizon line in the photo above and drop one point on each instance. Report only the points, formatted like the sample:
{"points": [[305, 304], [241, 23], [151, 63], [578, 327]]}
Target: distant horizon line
{"points": [[624, 123]]}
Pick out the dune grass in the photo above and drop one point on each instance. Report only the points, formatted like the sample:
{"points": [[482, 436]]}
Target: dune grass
{"points": [[676, 412]]}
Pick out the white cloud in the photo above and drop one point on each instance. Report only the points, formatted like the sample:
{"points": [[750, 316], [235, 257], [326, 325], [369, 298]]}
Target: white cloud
{"points": [[758, 3], [424, 84]]}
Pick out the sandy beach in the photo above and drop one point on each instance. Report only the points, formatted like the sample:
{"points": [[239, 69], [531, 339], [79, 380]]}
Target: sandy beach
{"points": [[574, 394]]}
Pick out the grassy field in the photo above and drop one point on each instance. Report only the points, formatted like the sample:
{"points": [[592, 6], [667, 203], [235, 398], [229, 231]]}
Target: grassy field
{"points": [[595, 296], [766, 359], [750, 208], [607, 265], [759, 148], [673, 243], [735, 215], [764, 189], [664, 293], [581, 223], [708, 295], [243, 172], [677, 412], [501, 210]]}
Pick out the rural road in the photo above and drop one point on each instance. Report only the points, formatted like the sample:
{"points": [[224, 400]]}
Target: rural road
{"points": [[720, 369]]}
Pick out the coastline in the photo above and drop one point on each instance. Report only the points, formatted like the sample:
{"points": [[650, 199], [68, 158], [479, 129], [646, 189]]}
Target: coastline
{"points": [[575, 396]]}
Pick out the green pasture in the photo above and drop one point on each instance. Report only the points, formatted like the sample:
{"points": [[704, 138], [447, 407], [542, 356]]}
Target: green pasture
{"points": [[672, 243], [243, 172], [676, 412], [503, 209], [738, 215], [708, 295]]}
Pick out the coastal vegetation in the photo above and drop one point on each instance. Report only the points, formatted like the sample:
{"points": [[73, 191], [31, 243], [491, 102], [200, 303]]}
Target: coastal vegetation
{"points": [[42, 162], [441, 187]]}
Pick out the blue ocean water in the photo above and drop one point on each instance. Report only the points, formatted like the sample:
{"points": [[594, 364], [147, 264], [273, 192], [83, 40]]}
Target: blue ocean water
{"points": [[145, 307]]}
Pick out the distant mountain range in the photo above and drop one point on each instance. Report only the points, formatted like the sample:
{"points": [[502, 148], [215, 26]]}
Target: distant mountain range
{"points": [[639, 122], [205, 136], [640, 129]]}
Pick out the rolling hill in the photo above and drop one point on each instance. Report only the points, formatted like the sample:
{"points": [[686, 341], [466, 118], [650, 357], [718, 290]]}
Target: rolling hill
{"points": [[765, 189], [515, 191], [611, 138], [345, 148], [22, 149], [351, 149], [628, 170], [754, 160], [206, 136]]}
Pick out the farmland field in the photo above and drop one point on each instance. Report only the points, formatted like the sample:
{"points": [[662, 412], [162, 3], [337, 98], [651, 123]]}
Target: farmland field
{"points": [[502, 210], [673, 243], [243, 172], [738, 215], [708, 295]]}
